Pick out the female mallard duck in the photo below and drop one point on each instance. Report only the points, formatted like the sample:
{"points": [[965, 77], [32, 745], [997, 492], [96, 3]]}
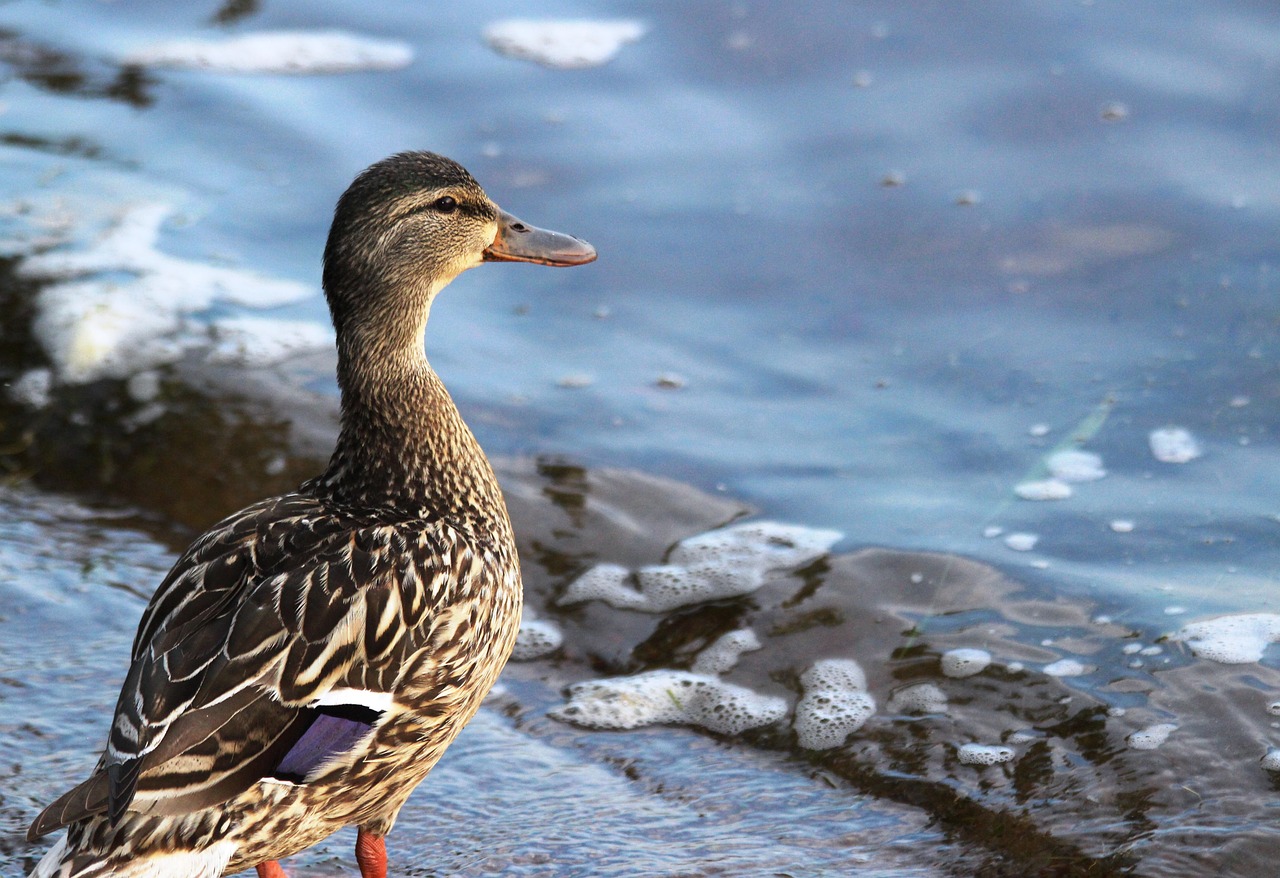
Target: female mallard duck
{"points": [[307, 661]]}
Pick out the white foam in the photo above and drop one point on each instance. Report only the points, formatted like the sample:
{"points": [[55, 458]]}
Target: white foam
{"points": [[722, 563], [1122, 526], [1271, 761], [1174, 445], [1274, 708], [679, 697], [1066, 667], [144, 387], [32, 388], [537, 638], [121, 305], [1074, 465], [723, 655], [605, 582], [562, 44], [1021, 542], [1232, 640], [1044, 489], [294, 52], [919, 698], [984, 754], [964, 662], [835, 703], [1151, 737], [130, 246], [96, 330], [258, 341]]}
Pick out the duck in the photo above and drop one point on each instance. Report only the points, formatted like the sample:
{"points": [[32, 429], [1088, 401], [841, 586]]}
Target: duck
{"points": [[308, 659]]}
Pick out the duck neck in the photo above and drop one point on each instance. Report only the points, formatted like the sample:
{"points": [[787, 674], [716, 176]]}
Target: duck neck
{"points": [[403, 445]]}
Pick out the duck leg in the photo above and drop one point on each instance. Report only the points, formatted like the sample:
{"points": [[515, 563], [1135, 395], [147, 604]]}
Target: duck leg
{"points": [[270, 869], [371, 854]]}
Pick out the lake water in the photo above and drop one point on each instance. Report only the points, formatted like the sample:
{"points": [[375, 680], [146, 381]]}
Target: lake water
{"points": [[863, 268]]}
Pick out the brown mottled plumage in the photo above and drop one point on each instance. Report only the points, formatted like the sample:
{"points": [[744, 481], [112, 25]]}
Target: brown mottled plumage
{"points": [[377, 603]]}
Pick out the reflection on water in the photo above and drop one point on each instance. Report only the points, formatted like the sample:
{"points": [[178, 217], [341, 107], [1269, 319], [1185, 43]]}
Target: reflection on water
{"points": [[1075, 255]]}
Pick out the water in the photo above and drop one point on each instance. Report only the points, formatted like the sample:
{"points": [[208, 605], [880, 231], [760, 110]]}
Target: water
{"points": [[1077, 243]]}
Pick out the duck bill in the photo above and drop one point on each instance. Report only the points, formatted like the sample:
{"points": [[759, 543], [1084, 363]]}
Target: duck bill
{"points": [[521, 242]]}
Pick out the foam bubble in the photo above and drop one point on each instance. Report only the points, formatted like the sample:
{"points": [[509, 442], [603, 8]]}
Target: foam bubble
{"points": [[144, 387], [666, 696], [984, 754], [1073, 465], [1066, 667], [564, 44], [919, 698], [97, 327], [1174, 445], [604, 582], [1045, 489], [1232, 640], [32, 388], [723, 655], [1151, 737], [1021, 542], [965, 662], [1122, 526], [537, 638], [835, 703], [294, 52], [721, 563], [1271, 761]]}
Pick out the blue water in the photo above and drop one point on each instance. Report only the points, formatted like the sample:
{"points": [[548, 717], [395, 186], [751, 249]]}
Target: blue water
{"points": [[1082, 222], [855, 356]]}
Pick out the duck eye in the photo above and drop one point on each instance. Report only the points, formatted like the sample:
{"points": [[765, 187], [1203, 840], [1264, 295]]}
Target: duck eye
{"points": [[445, 204]]}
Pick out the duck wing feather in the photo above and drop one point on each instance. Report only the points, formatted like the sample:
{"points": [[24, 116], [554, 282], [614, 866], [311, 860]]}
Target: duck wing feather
{"points": [[265, 614]]}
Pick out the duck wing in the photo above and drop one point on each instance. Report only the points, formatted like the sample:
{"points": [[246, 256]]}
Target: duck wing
{"points": [[272, 647]]}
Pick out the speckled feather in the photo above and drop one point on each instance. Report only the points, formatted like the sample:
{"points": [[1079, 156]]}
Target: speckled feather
{"points": [[393, 575]]}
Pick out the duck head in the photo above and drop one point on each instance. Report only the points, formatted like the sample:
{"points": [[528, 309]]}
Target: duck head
{"points": [[410, 224]]}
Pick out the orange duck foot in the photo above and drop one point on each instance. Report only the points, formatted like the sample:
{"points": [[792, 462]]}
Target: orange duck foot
{"points": [[270, 869], [371, 854]]}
